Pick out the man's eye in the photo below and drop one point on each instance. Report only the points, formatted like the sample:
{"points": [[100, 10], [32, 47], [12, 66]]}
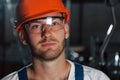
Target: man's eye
{"points": [[35, 27], [55, 23]]}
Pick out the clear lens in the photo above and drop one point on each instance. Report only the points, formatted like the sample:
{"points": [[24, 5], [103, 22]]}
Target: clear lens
{"points": [[39, 25]]}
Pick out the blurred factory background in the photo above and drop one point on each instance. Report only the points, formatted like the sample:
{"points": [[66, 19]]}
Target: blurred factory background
{"points": [[90, 21]]}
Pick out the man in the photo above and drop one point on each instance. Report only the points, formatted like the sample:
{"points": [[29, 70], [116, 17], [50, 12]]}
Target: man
{"points": [[43, 26]]}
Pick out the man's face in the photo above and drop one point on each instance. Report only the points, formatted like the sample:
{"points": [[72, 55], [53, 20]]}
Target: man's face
{"points": [[47, 43]]}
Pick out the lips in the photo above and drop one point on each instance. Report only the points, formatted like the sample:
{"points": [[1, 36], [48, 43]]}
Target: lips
{"points": [[48, 44]]}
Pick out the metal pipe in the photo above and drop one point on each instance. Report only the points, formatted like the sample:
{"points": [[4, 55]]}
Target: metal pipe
{"points": [[108, 36]]}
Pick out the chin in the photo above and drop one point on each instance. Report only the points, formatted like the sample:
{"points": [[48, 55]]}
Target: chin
{"points": [[49, 54]]}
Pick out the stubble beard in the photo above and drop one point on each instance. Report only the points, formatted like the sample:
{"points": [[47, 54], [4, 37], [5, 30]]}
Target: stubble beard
{"points": [[49, 54]]}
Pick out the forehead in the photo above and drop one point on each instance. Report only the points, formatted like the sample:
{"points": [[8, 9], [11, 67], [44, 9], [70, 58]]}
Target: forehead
{"points": [[48, 20]]}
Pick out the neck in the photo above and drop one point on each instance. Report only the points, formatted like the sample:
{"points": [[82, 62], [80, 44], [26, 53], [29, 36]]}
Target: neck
{"points": [[50, 70]]}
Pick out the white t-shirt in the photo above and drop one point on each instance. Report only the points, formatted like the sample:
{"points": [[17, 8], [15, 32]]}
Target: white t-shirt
{"points": [[89, 74]]}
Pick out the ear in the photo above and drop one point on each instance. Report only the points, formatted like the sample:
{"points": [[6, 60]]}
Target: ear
{"points": [[66, 31], [23, 37]]}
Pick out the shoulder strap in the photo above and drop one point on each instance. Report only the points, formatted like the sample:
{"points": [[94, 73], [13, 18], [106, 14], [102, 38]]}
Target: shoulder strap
{"points": [[79, 75], [22, 74]]}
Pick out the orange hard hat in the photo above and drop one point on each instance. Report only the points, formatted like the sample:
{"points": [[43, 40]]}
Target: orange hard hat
{"points": [[32, 9]]}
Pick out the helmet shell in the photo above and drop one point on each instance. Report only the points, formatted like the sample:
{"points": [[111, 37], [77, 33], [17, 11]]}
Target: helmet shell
{"points": [[32, 9]]}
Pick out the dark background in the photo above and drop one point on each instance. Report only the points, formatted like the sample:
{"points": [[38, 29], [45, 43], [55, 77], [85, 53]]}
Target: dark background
{"points": [[90, 20]]}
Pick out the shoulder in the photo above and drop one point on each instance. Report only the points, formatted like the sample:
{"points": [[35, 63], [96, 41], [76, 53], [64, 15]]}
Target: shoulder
{"points": [[14, 75], [94, 74], [11, 76], [90, 73]]}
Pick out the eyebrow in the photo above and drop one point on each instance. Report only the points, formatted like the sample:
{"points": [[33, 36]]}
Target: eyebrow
{"points": [[38, 20]]}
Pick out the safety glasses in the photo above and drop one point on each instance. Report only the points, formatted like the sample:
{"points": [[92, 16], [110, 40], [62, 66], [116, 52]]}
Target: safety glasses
{"points": [[53, 23]]}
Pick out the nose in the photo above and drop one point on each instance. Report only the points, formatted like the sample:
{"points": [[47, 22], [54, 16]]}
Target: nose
{"points": [[46, 31]]}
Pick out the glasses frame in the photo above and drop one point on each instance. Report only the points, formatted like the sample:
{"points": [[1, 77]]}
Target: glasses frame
{"points": [[27, 24]]}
